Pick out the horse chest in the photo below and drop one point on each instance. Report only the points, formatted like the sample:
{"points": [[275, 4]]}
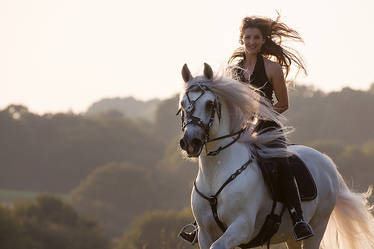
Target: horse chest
{"points": [[231, 203]]}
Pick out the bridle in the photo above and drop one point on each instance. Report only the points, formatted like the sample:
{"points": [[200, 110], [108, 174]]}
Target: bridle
{"points": [[187, 118]]}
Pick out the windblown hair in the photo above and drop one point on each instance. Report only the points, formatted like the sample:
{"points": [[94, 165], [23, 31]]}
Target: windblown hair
{"points": [[243, 104], [274, 33]]}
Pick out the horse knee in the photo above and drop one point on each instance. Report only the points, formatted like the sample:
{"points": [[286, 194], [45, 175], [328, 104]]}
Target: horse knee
{"points": [[218, 245]]}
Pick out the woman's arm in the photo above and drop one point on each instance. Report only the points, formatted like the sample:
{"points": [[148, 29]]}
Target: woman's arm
{"points": [[280, 88]]}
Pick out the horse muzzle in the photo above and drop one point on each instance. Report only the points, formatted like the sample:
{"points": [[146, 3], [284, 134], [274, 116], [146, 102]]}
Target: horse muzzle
{"points": [[193, 146]]}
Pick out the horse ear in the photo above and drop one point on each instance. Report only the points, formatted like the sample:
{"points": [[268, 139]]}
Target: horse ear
{"points": [[208, 72], [186, 74]]}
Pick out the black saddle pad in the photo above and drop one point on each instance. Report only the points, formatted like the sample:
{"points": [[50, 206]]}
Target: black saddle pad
{"points": [[304, 179]]}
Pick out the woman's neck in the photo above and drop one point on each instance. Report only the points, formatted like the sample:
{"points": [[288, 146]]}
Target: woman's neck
{"points": [[250, 60]]}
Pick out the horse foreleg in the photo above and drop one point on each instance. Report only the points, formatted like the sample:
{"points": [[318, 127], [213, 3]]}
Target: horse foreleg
{"points": [[237, 233], [204, 239]]}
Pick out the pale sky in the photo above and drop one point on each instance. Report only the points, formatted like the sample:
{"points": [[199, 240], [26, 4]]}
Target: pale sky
{"points": [[64, 55]]}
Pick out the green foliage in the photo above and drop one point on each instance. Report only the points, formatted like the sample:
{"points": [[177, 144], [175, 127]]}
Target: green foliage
{"points": [[54, 152], [156, 230], [11, 196], [115, 193], [11, 234], [346, 115], [167, 124], [355, 162], [368, 148], [48, 222]]}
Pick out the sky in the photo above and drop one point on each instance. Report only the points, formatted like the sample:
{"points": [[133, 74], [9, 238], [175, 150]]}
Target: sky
{"points": [[58, 56]]}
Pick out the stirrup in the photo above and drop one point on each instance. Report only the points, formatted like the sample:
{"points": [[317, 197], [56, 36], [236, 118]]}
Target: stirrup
{"points": [[302, 230], [189, 233]]}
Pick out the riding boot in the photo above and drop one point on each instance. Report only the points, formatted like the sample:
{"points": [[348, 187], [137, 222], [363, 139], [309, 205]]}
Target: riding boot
{"points": [[290, 194]]}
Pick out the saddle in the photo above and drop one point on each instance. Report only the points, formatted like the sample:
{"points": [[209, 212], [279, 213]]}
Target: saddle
{"points": [[305, 182]]}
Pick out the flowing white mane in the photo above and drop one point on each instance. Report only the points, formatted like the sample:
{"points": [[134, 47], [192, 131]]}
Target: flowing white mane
{"points": [[244, 104]]}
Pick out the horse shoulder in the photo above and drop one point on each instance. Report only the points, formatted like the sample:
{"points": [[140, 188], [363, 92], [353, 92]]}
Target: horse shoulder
{"points": [[244, 196]]}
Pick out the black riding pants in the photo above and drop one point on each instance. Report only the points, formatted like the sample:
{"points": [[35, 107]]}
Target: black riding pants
{"points": [[288, 188]]}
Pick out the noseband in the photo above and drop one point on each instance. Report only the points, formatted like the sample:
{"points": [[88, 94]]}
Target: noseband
{"points": [[188, 118]]}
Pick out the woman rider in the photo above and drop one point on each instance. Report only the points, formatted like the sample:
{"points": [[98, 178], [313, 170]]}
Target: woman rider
{"points": [[261, 39]]}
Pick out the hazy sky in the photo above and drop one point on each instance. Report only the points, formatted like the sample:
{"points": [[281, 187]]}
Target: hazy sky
{"points": [[64, 55]]}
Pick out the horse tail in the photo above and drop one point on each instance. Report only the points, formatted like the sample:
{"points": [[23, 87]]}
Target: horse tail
{"points": [[351, 224]]}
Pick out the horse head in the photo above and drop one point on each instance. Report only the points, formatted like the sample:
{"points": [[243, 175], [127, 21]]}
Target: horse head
{"points": [[198, 106]]}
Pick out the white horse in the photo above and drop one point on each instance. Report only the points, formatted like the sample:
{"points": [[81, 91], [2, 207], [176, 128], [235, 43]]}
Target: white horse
{"points": [[213, 107]]}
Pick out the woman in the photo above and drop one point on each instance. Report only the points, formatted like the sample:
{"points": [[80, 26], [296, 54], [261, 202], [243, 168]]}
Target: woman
{"points": [[261, 39]]}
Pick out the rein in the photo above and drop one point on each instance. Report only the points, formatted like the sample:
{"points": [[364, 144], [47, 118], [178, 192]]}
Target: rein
{"points": [[216, 152]]}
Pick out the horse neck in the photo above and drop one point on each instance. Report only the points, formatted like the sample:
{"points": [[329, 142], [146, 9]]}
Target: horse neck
{"points": [[214, 170]]}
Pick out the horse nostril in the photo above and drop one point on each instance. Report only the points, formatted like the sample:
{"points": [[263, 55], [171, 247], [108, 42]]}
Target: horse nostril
{"points": [[183, 144], [196, 143]]}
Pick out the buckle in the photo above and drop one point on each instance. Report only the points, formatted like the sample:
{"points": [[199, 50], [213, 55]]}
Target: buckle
{"points": [[190, 108]]}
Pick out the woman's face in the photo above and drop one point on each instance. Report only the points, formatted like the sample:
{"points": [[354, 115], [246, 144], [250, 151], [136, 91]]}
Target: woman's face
{"points": [[252, 40]]}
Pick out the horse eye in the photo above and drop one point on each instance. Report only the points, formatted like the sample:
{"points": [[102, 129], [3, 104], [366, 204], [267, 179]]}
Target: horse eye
{"points": [[209, 104]]}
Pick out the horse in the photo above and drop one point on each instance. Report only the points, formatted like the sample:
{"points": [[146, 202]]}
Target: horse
{"points": [[216, 113]]}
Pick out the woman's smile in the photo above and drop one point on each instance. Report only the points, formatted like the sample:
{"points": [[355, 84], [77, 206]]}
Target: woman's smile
{"points": [[253, 40]]}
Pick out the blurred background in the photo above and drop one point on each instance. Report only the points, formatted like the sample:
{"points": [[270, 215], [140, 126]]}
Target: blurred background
{"points": [[89, 153]]}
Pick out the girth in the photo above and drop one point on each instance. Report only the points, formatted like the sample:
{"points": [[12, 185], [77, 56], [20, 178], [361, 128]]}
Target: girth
{"points": [[268, 229]]}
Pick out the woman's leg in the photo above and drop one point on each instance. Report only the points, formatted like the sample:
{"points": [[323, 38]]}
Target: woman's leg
{"points": [[290, 194], [289, 190]]}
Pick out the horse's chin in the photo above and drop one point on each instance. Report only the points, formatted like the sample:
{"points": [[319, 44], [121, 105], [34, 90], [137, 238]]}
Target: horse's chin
{"points": [[194, 152]]}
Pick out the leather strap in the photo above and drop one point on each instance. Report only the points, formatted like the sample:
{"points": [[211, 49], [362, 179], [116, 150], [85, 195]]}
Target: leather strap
{"points": [[213, 198], [216, 152]]}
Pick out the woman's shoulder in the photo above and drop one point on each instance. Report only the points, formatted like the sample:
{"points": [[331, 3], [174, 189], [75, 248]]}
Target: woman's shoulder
{"points": [[272, 65], [272, 68]]}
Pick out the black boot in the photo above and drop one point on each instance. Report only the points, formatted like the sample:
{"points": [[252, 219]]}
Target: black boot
{"points": [[291, 196]]}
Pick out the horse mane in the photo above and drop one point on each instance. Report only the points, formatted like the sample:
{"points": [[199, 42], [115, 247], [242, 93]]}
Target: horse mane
{"points": [[245, 106]]}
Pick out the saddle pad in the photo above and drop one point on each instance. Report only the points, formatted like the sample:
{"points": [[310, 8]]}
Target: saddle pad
{"points": [[304, 179]]}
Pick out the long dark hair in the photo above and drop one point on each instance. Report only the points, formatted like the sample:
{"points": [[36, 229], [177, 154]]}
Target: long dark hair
{"points": [[273, 32]]}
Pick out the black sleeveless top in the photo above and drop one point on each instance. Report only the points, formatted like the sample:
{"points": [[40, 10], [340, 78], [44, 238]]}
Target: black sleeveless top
{"points": [[258, 78]]}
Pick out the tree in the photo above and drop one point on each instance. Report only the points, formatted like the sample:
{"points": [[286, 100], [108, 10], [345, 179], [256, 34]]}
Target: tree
{"points": [[48, 222], [117, 192], [11, 234], [156, 230]]}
